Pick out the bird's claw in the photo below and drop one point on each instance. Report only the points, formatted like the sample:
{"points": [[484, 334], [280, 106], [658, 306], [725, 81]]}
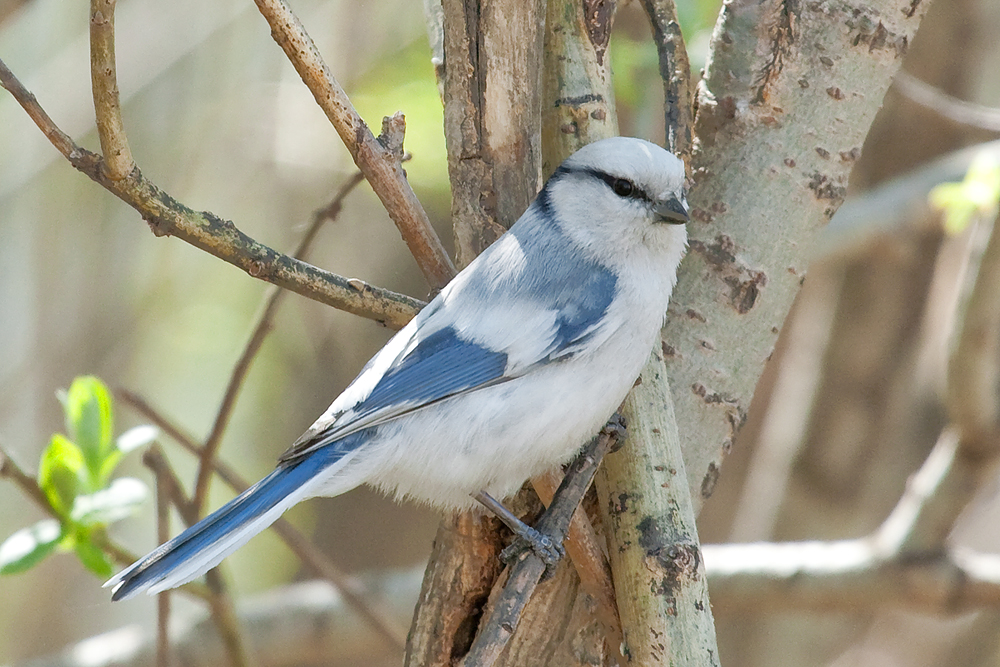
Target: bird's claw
{"points": [[616, 429], [547, 549]]}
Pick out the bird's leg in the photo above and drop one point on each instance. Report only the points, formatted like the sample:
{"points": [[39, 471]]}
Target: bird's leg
{"points": [[550, 549], [525, 537]]}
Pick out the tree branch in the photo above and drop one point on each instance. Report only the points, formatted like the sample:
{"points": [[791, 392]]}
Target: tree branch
{"points": [[675, 70], [378, 162], [306, 623], [353, 590], [583, 549], [649, 519], [118, 162], [524, 575], [850, 576], [952, 108], [808, 79], [259, 333], [221, 238]]}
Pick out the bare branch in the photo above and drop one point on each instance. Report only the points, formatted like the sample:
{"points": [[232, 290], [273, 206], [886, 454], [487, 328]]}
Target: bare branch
{"points": [[221, 238], [226, 620], [850, 576], [524, 575], [25, 482], [974, 369], [168, 484], [118, 162], [305, 623], [952, 108], [675, 70], [162, 600], [259, 333], [380, 165], [582, 547], [354, 592], [967, 451], [782, 113], [579, 106], [656, 560]]}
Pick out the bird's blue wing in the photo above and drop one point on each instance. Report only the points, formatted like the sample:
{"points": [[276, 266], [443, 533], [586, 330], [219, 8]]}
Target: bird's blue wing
{"points": [[432, 368], [441, 365], [521, 305]]}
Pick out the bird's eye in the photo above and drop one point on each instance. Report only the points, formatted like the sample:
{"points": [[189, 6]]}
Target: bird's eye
{"points": [[623, 187]]}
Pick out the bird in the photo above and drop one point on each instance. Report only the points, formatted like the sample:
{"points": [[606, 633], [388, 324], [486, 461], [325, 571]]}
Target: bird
{"points": [[505, 374]]}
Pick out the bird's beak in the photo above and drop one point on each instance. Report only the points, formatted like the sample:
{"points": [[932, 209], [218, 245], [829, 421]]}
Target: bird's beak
{"points": [[673, 211]]}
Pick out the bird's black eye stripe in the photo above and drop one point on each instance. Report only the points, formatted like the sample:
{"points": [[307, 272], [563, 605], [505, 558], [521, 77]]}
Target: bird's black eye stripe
{"points": [[621, 186]]}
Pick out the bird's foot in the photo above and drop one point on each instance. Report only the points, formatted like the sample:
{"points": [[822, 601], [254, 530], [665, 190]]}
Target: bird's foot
{"points": [[526, 538], [616, 429], [529, 539]]}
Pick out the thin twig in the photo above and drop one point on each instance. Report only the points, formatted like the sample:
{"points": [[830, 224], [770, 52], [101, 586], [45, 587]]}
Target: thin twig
{"points": [[25, 482], [28, 485], [974, 369], [206, 231], [250, 350], [588, 559], [379, 162], [168, 484], [675, 70], [965, 454], [118, 162], [162, 600], [218, 598], [525, 574], [219, 602], [226, 621], [847, 575], [952, 108], [354, 591]]}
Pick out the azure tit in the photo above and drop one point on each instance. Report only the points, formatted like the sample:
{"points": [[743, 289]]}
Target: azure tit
{"points": [[507, 373]]}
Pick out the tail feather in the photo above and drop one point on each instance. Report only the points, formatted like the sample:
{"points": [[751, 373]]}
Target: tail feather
{"points": [[205, 544]]}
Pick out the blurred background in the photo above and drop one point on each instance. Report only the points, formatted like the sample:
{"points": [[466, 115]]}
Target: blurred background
{"points": [[217, 118]]}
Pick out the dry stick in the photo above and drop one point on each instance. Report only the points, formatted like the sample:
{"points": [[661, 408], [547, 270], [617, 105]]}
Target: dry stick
{"points": [[379, 162], [221, 238], [162, 600], [589, 561], [223, 614], [25, 482], [227, 622], [250, 350], [851, 576], [966, 452], [675, 70], [118, 162], [525, 574], [353, 590], [166, 480], [952, 108]]}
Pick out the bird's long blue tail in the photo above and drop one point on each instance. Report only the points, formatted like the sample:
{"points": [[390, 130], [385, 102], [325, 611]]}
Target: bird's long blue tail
{"points": [[203, 546]]}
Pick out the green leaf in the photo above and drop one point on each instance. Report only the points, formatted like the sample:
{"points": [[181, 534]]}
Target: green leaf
{"points": [[117, 502], [90, 425], [28, 546], [61, 473], [977, 194], [93, 558]]}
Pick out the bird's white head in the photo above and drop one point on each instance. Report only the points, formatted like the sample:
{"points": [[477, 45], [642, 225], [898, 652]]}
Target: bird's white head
{"points": [[622, 199]]}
